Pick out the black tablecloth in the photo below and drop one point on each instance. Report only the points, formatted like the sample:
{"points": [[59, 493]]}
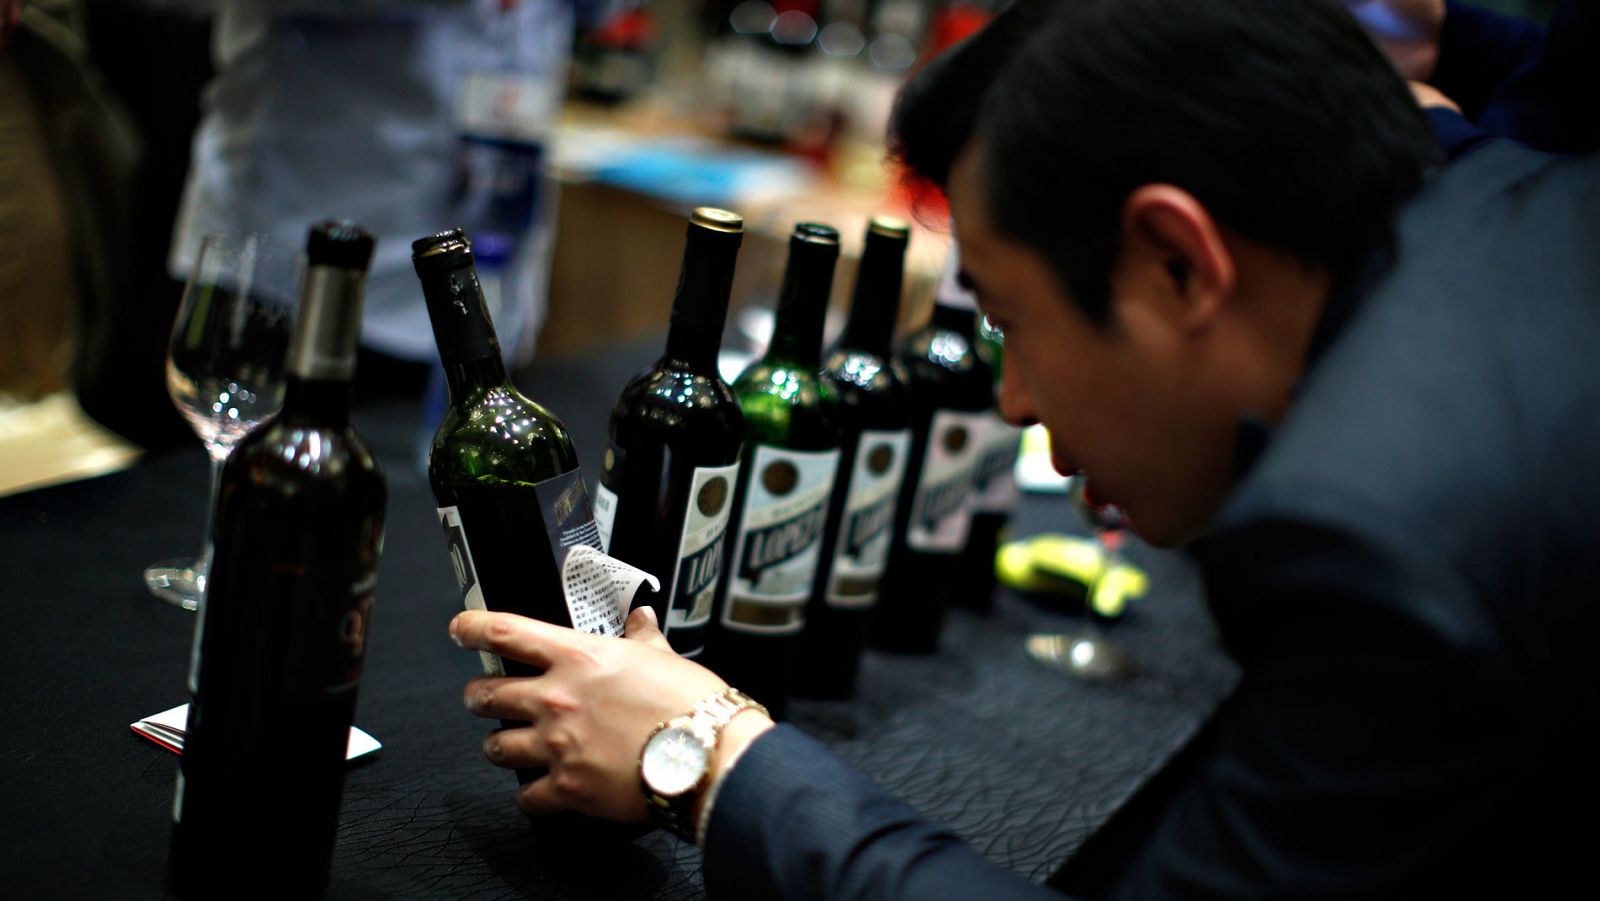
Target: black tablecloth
{"points": [[1020, 760]]}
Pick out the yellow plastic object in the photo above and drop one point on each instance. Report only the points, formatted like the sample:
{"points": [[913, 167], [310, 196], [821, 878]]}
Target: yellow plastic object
{"points": [[1065, 564]]}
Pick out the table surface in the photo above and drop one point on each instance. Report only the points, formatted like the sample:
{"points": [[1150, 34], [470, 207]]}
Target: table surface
{"points": [[1023, 762]]}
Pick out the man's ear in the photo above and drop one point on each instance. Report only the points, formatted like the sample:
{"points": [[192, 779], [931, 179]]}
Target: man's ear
{"points": [[1170, 238]]}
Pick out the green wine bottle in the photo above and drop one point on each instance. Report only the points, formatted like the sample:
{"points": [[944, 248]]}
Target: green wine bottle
{"points": [[503, 470], [786, 481]]}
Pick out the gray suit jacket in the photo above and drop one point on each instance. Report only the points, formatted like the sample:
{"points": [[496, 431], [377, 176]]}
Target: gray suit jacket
{"points": [[1406, 574]]}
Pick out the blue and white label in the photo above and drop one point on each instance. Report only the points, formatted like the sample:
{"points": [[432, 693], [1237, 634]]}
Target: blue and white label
{"points": [[779, 544], [941, 510], [866, 526]]}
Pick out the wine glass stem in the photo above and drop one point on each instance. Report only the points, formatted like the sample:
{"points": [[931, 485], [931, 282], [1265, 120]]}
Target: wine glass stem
{"points": [[202, 563]]}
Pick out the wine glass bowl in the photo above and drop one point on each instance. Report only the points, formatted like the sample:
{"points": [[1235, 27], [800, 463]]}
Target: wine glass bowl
{"points": [[225, 367]]}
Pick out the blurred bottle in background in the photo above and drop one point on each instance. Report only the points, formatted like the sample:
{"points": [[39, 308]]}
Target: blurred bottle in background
{"points": [[951, 393], [616, 61], [994, 489]]}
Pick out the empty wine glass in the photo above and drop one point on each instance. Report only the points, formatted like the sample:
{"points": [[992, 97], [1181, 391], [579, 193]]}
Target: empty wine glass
{"points": [[1088, 654], [225, 368]]}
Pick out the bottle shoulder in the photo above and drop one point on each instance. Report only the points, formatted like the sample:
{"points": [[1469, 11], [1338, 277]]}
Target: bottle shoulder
{"points": [[941, 368], [789, 406], [871, 391], [286, 455], [499, 435], [674, 396]]}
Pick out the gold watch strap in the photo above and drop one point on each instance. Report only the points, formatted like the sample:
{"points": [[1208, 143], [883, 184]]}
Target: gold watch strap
{"points": [[716, 711], [708, 719]]}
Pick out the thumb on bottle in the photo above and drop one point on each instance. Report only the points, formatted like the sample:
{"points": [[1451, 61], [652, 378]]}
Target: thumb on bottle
{"points": [[642, 625]]}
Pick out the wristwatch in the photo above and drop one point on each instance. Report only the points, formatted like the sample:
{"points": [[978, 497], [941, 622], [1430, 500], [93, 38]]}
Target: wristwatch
{"points": [[675, 764]]}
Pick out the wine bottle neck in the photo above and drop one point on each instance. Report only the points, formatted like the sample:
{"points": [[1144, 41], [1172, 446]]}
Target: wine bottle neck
{"points": [[955, 319], [328, 325], [465, 378], [700, 306], [876, 302], [460, 317], [323, 402], [803, 308]]}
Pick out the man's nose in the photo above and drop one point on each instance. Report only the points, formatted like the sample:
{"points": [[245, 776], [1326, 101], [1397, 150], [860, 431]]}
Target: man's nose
{"points": [[1016, 407]]}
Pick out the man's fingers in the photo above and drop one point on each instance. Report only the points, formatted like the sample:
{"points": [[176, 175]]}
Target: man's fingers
{"points": [[510, 635], [642, 626], [517, 748], [504, 697]]}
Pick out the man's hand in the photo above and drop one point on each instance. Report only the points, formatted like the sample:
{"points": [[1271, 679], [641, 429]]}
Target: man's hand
{"points": [[1407, 31], [591, 711]]}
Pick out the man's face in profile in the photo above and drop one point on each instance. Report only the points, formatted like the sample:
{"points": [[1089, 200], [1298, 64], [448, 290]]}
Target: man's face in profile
{"points": [[1124, 402]]}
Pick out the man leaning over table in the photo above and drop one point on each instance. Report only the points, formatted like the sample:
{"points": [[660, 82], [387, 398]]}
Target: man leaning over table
{"points": [[1362, 390]]}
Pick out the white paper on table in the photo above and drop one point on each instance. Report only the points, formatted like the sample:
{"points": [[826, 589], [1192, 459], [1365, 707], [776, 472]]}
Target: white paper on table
{"points": [[166, 729]]}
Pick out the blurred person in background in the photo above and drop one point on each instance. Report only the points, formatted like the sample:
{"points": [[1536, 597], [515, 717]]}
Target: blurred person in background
{"points": [[409, 116], [1255, 313], [68, 157], [155, 58]]}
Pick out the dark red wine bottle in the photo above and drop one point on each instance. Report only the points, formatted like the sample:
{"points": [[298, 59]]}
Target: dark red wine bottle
{"points": [[994, 490], [666, 495], [951, 394], [282, 631], [875, 418]]}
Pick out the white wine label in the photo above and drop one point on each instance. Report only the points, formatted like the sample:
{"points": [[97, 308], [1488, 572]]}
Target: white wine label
{"points": [[700, 546], [941, 511], [779, 542], [994, 479], [455, 538], [605, 514], [598, 589], [867, 524]]}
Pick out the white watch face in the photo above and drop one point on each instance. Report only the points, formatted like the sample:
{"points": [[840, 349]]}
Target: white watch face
{"points": [[674, 761]]}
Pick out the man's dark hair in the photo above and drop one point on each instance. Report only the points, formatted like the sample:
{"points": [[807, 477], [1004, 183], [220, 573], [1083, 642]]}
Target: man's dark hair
{"points": [[1280, 116]]}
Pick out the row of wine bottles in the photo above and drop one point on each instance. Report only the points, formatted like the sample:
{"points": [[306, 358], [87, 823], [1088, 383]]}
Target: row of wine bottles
{"points": [[820, 500], [777, 514]]}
